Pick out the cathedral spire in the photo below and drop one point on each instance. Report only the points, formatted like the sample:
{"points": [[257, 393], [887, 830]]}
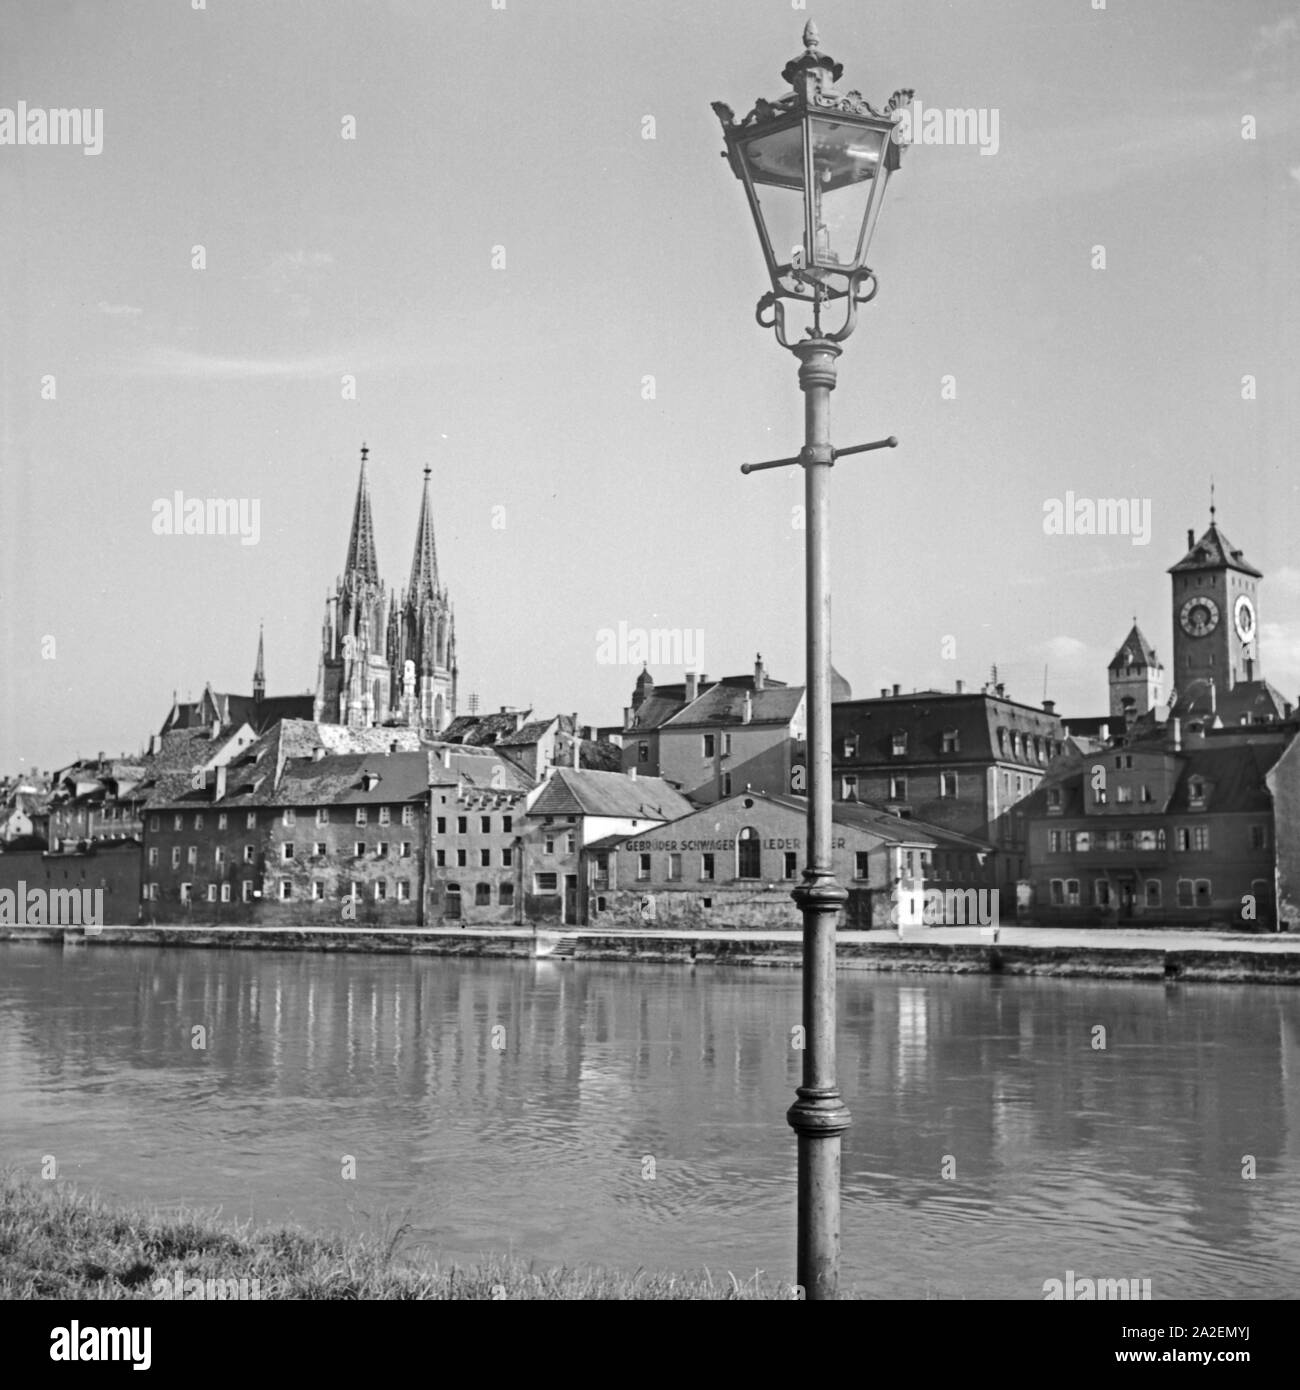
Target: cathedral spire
{"points": [[361, 541], [424, 564], [259, 674]]}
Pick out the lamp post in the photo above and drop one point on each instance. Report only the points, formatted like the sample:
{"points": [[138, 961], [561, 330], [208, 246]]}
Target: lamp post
{"points": [[814, 166]]}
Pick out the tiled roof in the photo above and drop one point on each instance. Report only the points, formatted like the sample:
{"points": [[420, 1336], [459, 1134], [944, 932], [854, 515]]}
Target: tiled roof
{"points": [[926, 717], [1134, 650], [1214, 551], [169, 771], [572, 791], [725, 704], [483, 729], [354, 779]]}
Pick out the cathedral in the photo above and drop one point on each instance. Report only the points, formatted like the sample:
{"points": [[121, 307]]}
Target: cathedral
{"points": [[387, 659]]}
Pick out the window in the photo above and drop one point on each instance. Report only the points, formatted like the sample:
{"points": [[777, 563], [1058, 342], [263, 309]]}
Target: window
{"points": [[363, 815], [482, 895], [359, 849], [286, 889], [1145, 794], [861, 864], [442, 825], [322, 815], [178, 822], [408, 815], [850, 746], [192, 855], [643, 866], [1099, 795], [643, 752], [1183, 838], [947, 784], [1054, 798], [706, 867], [153, 857], [726, 745], [507, 857], [505, 894], [1203, 898], [219, 856], [1054, 842], [548, 844], [317, 890], [547, 883], [571, 843], [440, 858], [1200, 837], [1196, 793], [225, 892], [319, 849], [250, 821], [221, 820], [381, 890], [1057, 893], [849, 787], [485, 824], [289, 818], [1101, 892], [153, 822], [898, 788], [249, 851], [212, 892], [791, 865], [185, 892], [674, 866], [246, 890], [1185, 892], [708, 742], [899, 745], [406, 849], [286, 851], [1123, 796], [748, 854], [951, 741], [1259, 837], [726, 784], [1153, 892], [1072, 892], [1082, 841], [485, 858], [403, 890], [385, 815], [462, 858], [507, 824]]}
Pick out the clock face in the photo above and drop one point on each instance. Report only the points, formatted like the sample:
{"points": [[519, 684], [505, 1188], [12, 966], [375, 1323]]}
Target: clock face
{"points": [[1199, 616], [1244, 618]]}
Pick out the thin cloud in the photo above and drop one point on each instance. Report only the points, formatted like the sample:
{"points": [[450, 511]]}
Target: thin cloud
{"points": [[119, 311], [181, 364]]}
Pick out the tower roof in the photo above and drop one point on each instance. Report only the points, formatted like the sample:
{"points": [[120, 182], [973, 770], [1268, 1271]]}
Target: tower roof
{"points": [[361, 542], [259, 674], [1214, 551], [424, 564], [1135, 650]]}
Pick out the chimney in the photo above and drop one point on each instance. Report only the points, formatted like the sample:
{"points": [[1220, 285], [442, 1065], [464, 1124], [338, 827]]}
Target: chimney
{"points": [[1049, 706], [627, 716], [747, 711], [896, 690], [577, 742], [704, 681], [960, 687], [884, 692], [1191, 538], [446, 757], [692, 686], [152, 738], [760, 675], [1105, 731], [1176, 727], [219, 790], [1001, 689]]}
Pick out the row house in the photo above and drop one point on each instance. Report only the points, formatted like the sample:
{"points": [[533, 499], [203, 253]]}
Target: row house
{"points": [[1168, 830], [736, 863], [98, 799], [576, 808], [962, 761], [477, 800]]}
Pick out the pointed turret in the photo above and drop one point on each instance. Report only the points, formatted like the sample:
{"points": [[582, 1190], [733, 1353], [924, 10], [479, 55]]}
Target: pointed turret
{"points": [[259, 673], [424, 564], [362, 558]]}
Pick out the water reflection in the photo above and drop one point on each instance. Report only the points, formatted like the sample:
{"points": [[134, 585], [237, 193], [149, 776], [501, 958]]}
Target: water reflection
{"points": [[513, 1104]]}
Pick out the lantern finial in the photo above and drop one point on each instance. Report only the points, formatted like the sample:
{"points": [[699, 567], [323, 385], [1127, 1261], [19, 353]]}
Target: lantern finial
{"points": [[811, 38]]}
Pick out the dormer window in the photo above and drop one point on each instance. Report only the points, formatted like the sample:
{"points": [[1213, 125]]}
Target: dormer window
{"points": [[900, 743], [1196, 792], [951, 741]]}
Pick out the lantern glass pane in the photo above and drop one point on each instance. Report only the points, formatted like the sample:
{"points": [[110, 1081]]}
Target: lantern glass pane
{"points": [[777, 157], [782, 212], [847, 160]]}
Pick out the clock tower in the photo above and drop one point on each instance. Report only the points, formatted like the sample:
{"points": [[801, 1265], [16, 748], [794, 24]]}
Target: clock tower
{"points": [[1216, 668]]}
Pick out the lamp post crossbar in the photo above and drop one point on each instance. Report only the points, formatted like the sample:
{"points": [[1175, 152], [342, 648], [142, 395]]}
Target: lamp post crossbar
{"points": [[890, 443]]}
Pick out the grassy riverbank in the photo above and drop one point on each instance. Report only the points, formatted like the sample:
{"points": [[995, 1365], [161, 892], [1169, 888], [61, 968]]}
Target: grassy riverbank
{"points": [[56, 1242]]}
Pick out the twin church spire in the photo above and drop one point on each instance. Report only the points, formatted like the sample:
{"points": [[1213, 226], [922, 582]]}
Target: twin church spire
{"points": [[388, 659]]}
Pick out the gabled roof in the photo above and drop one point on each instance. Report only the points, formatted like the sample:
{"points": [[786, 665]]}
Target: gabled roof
{"points": [[1135, 650], [362, 558], [725, 705], [354, 779], [571, 791], [483, 729], [976, 717], [1214, 551]]}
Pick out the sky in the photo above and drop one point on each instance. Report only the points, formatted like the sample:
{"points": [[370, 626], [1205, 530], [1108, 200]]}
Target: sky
{"points": [[548, 299]]}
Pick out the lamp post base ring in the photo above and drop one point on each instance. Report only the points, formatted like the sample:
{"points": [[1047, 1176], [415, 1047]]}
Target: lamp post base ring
{"points": [[818, 1113]]}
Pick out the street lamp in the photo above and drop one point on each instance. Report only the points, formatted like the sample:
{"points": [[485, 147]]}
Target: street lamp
{"points": [[815, 165]]}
